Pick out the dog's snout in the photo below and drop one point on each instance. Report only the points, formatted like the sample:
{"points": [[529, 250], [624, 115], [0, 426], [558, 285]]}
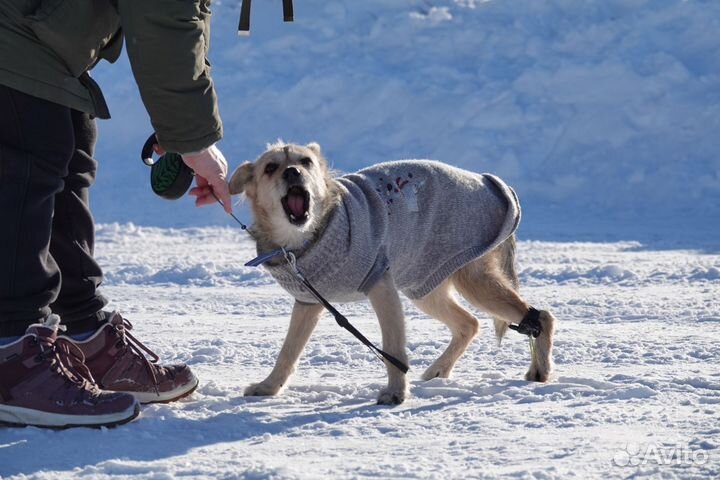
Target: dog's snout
{"points": [[291, 174]]}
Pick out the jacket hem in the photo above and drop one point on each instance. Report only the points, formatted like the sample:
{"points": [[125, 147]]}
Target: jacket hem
{"points": [[46, 91]]}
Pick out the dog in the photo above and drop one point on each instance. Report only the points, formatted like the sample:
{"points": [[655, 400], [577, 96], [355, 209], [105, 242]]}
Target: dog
{"points": [[420, 227]]}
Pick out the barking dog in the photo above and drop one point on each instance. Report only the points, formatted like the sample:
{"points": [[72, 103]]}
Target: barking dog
{"points": [[420, 227]]}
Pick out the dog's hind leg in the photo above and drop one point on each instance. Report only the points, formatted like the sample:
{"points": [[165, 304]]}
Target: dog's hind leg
{"points": [[302, 323], [484, 284], [504, 254], [441, 305], [386, 302]]}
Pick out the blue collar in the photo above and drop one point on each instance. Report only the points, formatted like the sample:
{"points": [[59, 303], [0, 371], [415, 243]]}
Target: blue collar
{"points": [[267, 256]]}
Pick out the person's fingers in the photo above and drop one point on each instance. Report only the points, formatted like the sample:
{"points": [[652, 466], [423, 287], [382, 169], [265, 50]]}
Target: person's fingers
{"points": [[210, 173], [158, 149], [222, 190], [201, 181], [202, 187], [205, 200], [199, 191], [204, 192]]}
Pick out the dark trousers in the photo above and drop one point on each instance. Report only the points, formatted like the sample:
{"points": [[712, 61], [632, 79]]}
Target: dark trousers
{"points": [[47, 232]]}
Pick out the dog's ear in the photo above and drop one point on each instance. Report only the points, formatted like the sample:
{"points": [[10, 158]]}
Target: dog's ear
{"points": [[315, 148], [240, 178]]}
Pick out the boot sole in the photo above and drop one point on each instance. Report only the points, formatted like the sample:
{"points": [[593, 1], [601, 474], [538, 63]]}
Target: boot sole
{"points": [[26, 417], [166, 397]]}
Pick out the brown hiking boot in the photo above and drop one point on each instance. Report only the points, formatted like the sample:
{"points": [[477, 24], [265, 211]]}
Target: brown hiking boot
{"points": [[43, 384], [117, 361]]}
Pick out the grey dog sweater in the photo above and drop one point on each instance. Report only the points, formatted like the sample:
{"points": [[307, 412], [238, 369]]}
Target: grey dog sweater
{"points": [[421, 220]]}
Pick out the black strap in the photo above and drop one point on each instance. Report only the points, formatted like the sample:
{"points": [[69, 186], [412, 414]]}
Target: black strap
{"points": [[530, 324], [244, 25], [288, 14], [344, 323]]}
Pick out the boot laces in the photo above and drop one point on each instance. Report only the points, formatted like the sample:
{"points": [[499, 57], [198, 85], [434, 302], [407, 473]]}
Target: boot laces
{"points": [[67, 361], [139, 349]]}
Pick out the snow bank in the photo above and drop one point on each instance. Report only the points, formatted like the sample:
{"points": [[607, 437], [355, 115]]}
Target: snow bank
{"points": [[603, 114]]}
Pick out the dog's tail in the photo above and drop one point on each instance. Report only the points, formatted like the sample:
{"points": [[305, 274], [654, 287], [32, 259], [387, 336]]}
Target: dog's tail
{"points": [[507, 250]]}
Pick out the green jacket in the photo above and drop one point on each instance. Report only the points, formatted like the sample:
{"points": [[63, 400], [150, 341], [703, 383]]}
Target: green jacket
{"points": [[47, 48]]}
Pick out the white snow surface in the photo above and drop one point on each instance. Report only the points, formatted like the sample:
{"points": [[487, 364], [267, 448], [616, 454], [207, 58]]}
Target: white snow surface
{"points": [[602, 114], [637, 368]]}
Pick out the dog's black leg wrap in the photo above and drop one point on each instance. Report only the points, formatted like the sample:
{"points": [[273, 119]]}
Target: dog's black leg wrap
{"points": [[530, 324]]}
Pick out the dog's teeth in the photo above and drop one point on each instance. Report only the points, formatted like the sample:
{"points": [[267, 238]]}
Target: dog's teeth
{"points": [[293, 217]]}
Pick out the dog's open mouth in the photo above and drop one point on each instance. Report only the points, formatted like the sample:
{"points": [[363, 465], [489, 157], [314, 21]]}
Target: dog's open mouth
{"points": [[297, 205]]}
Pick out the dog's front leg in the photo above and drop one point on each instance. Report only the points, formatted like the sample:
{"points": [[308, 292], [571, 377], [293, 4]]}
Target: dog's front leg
{"points": [[386, 302], [302, 323]]}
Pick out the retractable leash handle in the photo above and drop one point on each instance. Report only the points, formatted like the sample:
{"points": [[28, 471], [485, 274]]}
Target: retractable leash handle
{"points": [[170, 177]]}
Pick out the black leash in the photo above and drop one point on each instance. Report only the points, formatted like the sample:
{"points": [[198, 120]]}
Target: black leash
{"points": [[339, 317], [244, 25], [288, 13]]}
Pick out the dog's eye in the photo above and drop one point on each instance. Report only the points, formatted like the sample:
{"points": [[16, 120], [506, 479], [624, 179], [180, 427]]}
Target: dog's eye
{"points": [[306, 161], [270, 168]]}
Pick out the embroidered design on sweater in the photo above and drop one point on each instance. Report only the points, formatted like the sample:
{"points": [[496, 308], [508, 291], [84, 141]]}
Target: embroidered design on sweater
{"points": [[401, 188]]}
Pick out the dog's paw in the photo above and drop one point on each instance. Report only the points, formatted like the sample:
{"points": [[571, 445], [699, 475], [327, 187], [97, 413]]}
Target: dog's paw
{"points": [[262, 389], [391, 397], [535, 374], [436, 371]]}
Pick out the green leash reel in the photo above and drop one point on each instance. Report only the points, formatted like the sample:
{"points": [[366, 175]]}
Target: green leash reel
{"points": [[170, 177]]}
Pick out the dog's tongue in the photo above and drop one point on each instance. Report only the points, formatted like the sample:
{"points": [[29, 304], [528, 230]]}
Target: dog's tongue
{"points": [[296, 204]]}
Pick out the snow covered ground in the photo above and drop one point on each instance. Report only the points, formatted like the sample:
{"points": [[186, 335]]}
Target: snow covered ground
{"points": [[636, 391], [603, 114]]}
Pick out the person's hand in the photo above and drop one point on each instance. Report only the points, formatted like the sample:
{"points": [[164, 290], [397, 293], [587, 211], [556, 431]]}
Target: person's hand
{"points": [[210, 170]]}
